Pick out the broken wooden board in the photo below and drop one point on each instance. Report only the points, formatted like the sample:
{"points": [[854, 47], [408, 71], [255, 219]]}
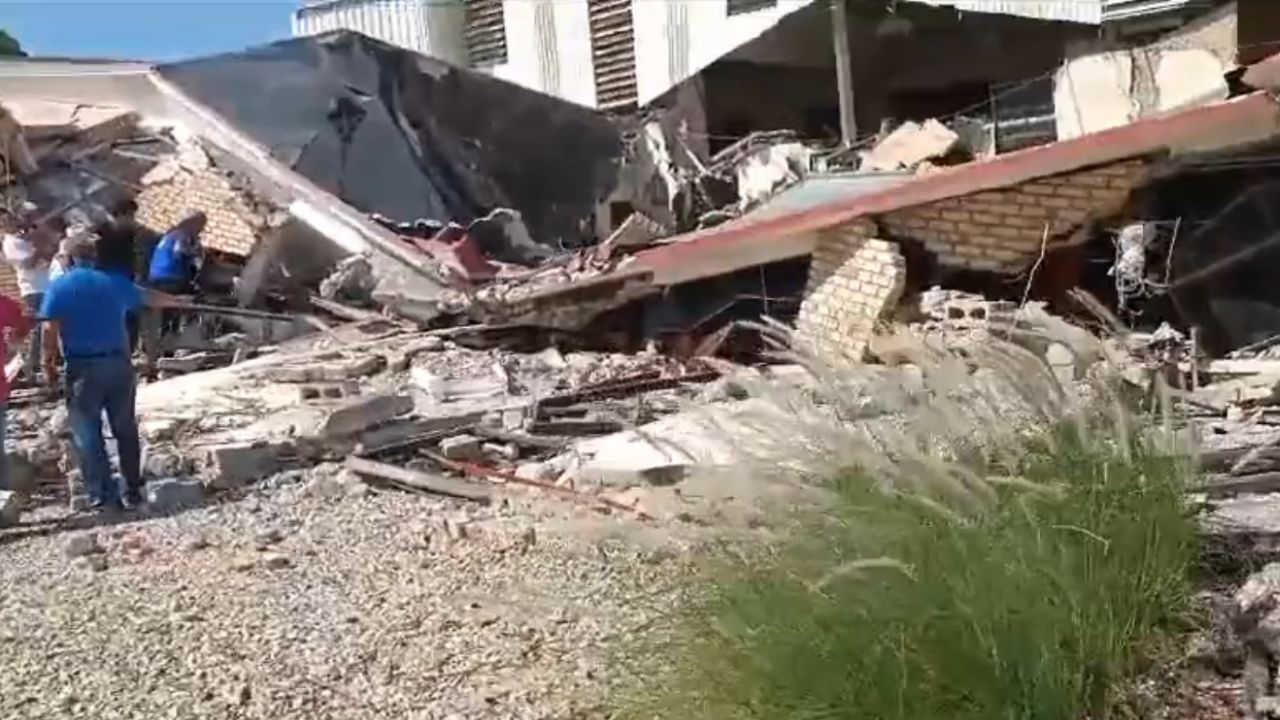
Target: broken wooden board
{"points": [[437, 484]]}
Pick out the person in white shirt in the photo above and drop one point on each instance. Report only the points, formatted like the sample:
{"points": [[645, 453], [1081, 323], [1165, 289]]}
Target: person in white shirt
{"points": [[25, 248]]}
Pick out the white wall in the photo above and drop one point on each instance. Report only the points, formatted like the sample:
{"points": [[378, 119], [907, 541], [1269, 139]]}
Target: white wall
{"points": [[679, 38], [430, 27], [549, 48]]}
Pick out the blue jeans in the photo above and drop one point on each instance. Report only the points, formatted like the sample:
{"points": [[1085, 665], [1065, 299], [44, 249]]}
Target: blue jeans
{"points": [[95, 385]]}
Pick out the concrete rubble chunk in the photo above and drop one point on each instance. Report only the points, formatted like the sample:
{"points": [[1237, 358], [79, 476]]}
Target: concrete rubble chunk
{"points": [[910, 144], [332, 372], [22, 473], [82, 545], [235, 465], [362, 413], [11, 506], [462, 447], [168, 495]]}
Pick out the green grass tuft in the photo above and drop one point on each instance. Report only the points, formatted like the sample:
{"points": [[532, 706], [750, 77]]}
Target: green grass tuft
{"points": [[1035, 603]]}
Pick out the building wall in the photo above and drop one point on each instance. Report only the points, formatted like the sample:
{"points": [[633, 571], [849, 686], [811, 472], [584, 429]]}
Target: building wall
{"points": [[858, 273], [855, 280], [676, 39], [231, 229], [549, 48], [431, 27], [1002, 230]]}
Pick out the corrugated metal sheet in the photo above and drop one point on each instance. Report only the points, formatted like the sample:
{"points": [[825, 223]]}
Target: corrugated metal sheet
{"points": [[1080, 11], [613, 53], [399, 22], [486, 33]]}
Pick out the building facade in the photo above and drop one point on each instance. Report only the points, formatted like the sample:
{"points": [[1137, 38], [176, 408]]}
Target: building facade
{"points": [[605, 54]]}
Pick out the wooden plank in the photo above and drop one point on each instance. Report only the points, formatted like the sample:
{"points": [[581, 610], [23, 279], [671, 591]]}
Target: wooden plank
{"points": [[437, 484]]}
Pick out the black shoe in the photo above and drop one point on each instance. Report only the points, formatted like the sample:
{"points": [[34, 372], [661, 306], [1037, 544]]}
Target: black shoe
{"points": [[134, 498], [105, 506]]}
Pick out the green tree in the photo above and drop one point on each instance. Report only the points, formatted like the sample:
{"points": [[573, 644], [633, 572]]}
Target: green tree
{"points": [[10, 46]]}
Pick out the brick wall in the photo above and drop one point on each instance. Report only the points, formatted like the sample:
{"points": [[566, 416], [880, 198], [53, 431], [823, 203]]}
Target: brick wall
{"points": [[8, 281], [231, 227], [1002, 230], [854, 281]]}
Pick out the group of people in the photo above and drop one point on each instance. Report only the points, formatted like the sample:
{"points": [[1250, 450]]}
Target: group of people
{"points": [[83, 290]]}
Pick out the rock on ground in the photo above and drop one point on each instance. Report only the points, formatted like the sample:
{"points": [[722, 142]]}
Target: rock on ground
{"points": [[357, 608]]}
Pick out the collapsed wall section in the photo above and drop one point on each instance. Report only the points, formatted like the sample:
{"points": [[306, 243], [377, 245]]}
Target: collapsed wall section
{"points": [[1002, 230], [855, 279], [233, 227]]}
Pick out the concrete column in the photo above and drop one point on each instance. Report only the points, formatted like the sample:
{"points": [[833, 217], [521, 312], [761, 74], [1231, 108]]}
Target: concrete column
{"points": [[844, 70]]}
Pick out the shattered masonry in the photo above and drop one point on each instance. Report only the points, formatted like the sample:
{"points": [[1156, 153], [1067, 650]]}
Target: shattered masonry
{"points": [[855, 279], [162, 205], [1001, 230]]}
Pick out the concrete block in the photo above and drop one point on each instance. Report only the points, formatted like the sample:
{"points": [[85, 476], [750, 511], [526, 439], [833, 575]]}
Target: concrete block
{"points": [[362, 413], [169, 495], [235, 465], [462, 447]]}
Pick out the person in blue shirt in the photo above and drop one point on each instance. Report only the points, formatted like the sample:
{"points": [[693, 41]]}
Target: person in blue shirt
{"points": [[175, 261], [86, 310], [173, 266]]}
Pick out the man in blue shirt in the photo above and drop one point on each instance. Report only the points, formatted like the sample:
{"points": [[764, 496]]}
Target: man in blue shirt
{"points": [[172, 268], [86, 311]]}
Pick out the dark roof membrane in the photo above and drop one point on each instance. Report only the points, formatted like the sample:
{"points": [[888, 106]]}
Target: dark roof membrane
{"points": [[408, 136]]}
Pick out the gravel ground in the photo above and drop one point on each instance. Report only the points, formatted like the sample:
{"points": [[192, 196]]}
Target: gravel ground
{"points": [[281, 605]]}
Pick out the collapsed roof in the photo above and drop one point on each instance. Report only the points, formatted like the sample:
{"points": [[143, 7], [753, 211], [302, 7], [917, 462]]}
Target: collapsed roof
{"points": [[409, 137]]}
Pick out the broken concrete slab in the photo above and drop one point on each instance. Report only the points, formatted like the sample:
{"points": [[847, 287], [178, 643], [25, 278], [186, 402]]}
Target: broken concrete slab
{"points": [[338, 371], [910, 144], [234, 465], [363, 413], [413, 479], [171, 495]]}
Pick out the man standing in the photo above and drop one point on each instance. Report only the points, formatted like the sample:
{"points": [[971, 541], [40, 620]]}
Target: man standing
{"points": [[118, 240], [86, 310], [172, 268], [26, 248]]}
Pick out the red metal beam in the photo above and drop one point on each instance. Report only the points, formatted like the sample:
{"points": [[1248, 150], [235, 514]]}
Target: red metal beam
{"points": [[1237, 122]]}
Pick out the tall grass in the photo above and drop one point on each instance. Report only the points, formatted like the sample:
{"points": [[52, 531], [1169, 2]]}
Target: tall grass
{"points": [[997, 547]]}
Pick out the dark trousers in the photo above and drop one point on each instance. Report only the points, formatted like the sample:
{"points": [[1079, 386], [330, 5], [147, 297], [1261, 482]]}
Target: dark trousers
{"points": [[95, 385], [31, 366]]}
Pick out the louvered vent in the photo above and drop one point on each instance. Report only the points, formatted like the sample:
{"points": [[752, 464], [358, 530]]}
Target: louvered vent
{"points": [[486, 34], [613, 53], [737, 7]]}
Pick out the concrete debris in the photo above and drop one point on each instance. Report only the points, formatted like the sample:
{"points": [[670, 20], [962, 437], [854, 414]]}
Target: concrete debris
{"points": [[909, 145], [364, 413], [232, 466], [82, 545], [170, 495], [462, 447], [352, 280], [11, 506]]}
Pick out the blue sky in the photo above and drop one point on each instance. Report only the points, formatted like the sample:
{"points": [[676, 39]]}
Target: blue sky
{"points": [[143, 29]]}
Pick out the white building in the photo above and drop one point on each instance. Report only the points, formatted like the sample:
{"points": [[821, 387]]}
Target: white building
{"points": [[611, 54]]}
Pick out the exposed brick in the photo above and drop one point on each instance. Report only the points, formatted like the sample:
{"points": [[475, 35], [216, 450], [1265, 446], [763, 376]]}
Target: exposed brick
{"points": [[840, 311]]}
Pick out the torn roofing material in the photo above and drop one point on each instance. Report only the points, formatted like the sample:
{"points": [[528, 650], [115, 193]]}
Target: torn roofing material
{"points": [[751, 241], [409, 137]]}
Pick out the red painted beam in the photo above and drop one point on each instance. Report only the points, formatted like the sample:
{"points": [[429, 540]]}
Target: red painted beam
{"points": [[733, 246]]}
